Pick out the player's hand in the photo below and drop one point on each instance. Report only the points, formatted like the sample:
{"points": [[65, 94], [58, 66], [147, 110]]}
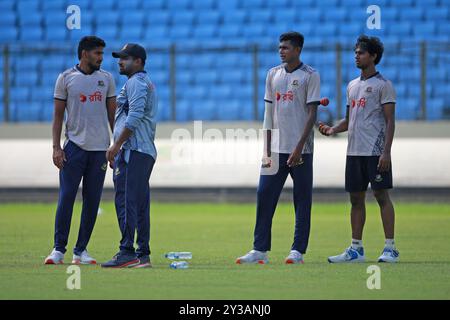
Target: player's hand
{"points": [[295, 159], [384, 163], [59, 157], [325, 130], [111, 164], [111, 153], [266, 162]]}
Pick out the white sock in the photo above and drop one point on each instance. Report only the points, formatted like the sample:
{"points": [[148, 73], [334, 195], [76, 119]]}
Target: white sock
{"points": [[356, 244], [389, 243]]}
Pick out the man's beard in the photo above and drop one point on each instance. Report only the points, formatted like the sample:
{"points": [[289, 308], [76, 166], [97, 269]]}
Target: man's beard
{"points": [[94, 67]]}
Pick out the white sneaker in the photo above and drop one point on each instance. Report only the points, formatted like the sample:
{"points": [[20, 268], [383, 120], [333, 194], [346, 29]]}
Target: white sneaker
{"points": [[254, 256], [84, 258], [55, 257], [389, 255], [294, 257], [350, 255]]}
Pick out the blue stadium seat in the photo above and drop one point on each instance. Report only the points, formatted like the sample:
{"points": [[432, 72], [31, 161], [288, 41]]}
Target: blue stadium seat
{"points": [[205, 110], [350, 30], [184, 78], [130, 32], [208, 17], [27, 112], [132, 18], [8, 34], [203, 5], [76, 35], [232, 76], [228, 6], [335, 14], [183, 110], [229, 111], [400, 29], [230, 30], [252, 4], [175, 5], [8, 19], [49, 6], [423, 31], [277, 4], [27, 63], [100, 6], [24, 6], [234, 17], [206, 77], [7, 6], [154, 4], [411, 14], [325, 30], [313, 15], [30, 19], [107, 18], [435, 109], [183, 17], [207, 31], [19, 93], [253, 30], [160, 77], [260, 16], [57, 20], [128, 5], [31, 34], [55, 34], [156, 32]]}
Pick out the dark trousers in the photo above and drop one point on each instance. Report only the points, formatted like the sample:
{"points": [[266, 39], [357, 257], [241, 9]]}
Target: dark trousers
{"points": [[269, 190], [91, 167], [132, 200]]}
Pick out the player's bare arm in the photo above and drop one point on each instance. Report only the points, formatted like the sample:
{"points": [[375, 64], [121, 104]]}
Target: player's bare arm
{"points": [[58, 117], [267, 127], [296, 157], [115, 148], [111, 109], [342, 126], [384, 163]]}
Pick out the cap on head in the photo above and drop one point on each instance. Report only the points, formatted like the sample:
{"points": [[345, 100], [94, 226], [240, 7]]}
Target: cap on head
{"points": [[131, 50]]}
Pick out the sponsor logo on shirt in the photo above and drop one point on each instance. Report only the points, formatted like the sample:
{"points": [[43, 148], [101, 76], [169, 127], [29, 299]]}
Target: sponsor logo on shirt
{"points": [[96, 96], [378, 178], [101, 83], [288, 96], [359, 103], [369, 89]]}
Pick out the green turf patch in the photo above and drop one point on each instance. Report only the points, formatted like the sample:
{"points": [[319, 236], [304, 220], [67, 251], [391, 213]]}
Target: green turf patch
{"points": [[218, 233]]}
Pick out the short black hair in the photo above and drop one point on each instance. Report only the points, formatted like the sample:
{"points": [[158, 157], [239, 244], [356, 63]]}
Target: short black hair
{"points": [[296, 38], [89, 43], [372, 45]]}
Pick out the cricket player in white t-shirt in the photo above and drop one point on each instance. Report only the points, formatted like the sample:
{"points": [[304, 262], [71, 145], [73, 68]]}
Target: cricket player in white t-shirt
{"points": [[85, 101], [291, 99], [370, 122]]}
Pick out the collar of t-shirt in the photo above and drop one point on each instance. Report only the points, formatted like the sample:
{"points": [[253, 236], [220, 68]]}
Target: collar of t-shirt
{"points": [[295, 69], [86, 74], [364, 79]]}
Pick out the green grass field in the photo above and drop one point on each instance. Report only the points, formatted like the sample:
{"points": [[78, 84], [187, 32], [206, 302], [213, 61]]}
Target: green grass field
{"points": [[216, 234]]}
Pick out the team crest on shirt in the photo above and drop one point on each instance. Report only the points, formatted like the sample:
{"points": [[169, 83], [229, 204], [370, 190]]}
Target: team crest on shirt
{"points": [[378, 178], [369, 89], [295, 83], [101, 83]]}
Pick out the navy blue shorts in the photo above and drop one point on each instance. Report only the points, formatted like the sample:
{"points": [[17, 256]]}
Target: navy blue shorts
{"points": [[360, 170]]}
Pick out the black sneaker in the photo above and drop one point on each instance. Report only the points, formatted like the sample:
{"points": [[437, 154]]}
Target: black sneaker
{"points": [[122, 260], [144, 262]]}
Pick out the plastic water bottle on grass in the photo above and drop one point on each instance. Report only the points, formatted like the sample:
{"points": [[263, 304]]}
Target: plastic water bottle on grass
{"points": [[178, 255], [179, 265]]}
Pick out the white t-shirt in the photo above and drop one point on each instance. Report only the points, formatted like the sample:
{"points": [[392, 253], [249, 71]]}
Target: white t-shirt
{"points": [[86, 116], [367, 125], [290, 93]]}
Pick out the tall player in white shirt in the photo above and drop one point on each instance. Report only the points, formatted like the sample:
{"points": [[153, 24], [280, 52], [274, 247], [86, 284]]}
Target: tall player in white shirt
{"points": [[291, 100], [370, 122]]}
